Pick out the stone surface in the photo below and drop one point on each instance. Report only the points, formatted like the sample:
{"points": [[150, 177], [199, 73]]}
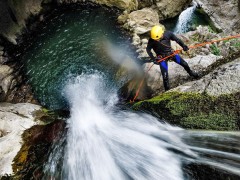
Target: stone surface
{"points": [[171, 8], [223, 80], [14, 119], [141, 21], [121, 4], [6, 77], [13, 16], [177, 74], [145, 3], [224, 14]]}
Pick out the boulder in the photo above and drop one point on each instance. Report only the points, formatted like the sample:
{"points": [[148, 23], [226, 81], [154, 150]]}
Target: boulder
{"points": [[145, 3], [141, 21], [171, 8], [6, 77], [14, 119], [223, 80], [13, 16], [121, 4], [224, 14]]}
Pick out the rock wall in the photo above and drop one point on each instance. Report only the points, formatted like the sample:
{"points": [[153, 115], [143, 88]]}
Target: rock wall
{"points": [[224, 14], [13, 16], [14, 119], [171, 8], [223, 80]]}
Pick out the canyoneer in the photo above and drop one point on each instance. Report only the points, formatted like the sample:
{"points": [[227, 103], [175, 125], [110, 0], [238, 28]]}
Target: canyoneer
{"points": [[160, 42]]}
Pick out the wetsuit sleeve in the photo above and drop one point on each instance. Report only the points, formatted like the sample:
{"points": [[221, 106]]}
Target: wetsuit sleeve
{"points": [[148, 49], [175, 38]]}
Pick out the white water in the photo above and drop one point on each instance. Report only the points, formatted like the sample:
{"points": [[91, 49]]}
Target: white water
{"points": [[104, 143], [184, 20], [108, 143]]}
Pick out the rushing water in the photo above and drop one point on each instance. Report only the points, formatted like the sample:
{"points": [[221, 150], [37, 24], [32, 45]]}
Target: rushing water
{"points": [[70, 63], [70, 42], [107, 142], [110, 143], [188, 20]]}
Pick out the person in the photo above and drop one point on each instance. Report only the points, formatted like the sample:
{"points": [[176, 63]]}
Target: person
{"points": [[160, 42]]}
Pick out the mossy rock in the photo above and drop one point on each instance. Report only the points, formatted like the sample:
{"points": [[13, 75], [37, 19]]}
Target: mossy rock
{"points": [[194, 110], [28, 164]]}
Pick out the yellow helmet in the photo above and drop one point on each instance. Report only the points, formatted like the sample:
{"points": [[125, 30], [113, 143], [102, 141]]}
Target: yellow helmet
{"points": [[157, 32]]}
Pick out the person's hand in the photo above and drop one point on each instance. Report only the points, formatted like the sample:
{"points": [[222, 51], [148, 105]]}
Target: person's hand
{"points": [[148, 61], [155, 61], [185, 48]]}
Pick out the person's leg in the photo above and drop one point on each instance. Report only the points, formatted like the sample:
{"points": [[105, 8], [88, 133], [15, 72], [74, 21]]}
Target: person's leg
{"points": [[164, 70], [178, 59]]}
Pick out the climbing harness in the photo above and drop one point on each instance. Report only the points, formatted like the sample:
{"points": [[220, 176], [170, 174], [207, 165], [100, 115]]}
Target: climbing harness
{"points": [[177, 52]]}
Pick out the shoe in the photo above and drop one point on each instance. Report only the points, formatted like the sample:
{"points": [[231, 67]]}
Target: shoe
{"points": [[194, 74]]}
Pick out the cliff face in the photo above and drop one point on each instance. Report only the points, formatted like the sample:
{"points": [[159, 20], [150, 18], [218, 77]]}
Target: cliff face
{"points": [[224, 14], [13, 16], [15, 13]]}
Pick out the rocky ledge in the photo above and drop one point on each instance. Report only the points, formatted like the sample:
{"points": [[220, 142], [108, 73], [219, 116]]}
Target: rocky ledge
{"points": [[209, 103], [14, 120]]}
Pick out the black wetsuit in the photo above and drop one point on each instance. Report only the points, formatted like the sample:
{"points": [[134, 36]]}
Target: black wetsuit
{"points": [[162, 48]]}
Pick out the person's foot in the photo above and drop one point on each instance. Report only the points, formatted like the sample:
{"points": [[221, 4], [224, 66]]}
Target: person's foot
{"points": [[194, 74]]}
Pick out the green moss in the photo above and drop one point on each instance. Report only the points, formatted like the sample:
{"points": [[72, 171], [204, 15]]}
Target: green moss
{"points": [[194, 110], [210, 121], [35, 150], [48, 116]]}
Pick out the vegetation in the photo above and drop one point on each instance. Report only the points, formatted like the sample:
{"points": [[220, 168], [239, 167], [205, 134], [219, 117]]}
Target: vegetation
{"points": [[215, 50], [195, 111]]}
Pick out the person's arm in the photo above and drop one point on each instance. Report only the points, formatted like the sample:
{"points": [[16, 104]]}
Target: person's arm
{"points": [[179, 41], [149, 52]]}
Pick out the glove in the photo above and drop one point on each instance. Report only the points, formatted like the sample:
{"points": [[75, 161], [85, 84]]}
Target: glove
{"points": [[155, 61], [147, 61], [185, 48]]}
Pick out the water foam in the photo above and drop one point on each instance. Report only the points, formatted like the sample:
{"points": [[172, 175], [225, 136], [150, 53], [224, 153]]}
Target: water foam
{"points": [[104, 142]]}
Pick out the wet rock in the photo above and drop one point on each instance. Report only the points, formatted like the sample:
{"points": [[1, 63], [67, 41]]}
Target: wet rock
{"points": [[14, 119], [2, 61], [206, 172], [224, 14], [171, 8], [223, 80], [29, 162], [195, 110], [21, 94], [14, 16], [6, 77]]}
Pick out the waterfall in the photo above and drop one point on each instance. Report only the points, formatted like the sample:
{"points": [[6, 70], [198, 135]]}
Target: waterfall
{"points": [[184, 20], [104, 142]]}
